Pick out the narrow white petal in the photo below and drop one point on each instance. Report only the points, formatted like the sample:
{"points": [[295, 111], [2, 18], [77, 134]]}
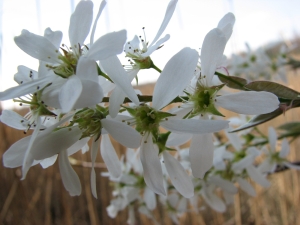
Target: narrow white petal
{"points": [[234, 140], [122, 133], [243, 163], [212, 52], [28, 158], [246, 186], [151, 165], [80, 23], [108, 45], [179, 178], [69, 93], [178, 139], [214, 201], [110, 157], [116, 72], [176, 75], [249, 102], [115, 100], [168, 15], [201, 154], [256, 176], [77, 146], [149, 198], [272, 136], [26, 88], [193, 126], [154, 47], [94, 150], [102, 5], [285, 148], [224, 184], [226, 24], [69, 177], [37, 46], [13, 119]]}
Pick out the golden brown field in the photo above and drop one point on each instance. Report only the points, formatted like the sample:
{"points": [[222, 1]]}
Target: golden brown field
{"points": [[42, 199]]}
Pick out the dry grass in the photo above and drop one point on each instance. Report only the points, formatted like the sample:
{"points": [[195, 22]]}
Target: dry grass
{"points": [[42, 199]]}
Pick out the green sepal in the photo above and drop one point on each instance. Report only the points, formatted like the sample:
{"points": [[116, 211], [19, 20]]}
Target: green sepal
{"points": [[233, 81], [162, 140]]}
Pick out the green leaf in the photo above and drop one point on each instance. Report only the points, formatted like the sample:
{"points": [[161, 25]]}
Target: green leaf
{"points": [[232, 81], [279, 90], [292, 126], [259, 119]]}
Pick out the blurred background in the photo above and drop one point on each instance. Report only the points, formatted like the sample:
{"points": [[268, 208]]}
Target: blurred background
{"points": [[42, 199]]}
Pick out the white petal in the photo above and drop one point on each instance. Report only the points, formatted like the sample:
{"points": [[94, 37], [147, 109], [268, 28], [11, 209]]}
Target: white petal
{"points": [[285, 148], [226, 24], [13, 119], [37, 46], [178, 139], [91, 94], [47, 145], [110, 157], [94, 150], [45, 163], [108, 45], [211, 53], [179, 178], [149, 198], [224, 184], [26, 88], [115, 100], [122, 133], [54, 37], [80, 23], [259, 178], [234, 140], [243, 163], [168, 15], [201, 154], [175, 77], [69, 93], [77, 146], [193, 126], [272, 136], [14, 156], [87, 69], [153, 175], [246, 186], [25, 75], [249, 102], [116, 72], [69, 177], [214, 202], [151, 49], [102, 5], [28, 157]]}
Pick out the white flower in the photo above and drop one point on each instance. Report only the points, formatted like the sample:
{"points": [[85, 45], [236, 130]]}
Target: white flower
{"points": [[274, 158]]}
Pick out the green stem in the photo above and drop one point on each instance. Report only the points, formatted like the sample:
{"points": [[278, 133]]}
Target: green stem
{"points": [[155, 67]]}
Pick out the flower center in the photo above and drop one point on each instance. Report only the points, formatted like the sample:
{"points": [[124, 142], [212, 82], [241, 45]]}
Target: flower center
{"points": [[89, 121], [203, 100]]}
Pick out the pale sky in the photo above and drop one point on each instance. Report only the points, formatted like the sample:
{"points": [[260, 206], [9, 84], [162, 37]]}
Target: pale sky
{"points": [[258, 22]]}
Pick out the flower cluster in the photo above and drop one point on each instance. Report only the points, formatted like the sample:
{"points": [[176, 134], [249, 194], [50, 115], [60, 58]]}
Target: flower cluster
{"points": [[82, 92]]}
